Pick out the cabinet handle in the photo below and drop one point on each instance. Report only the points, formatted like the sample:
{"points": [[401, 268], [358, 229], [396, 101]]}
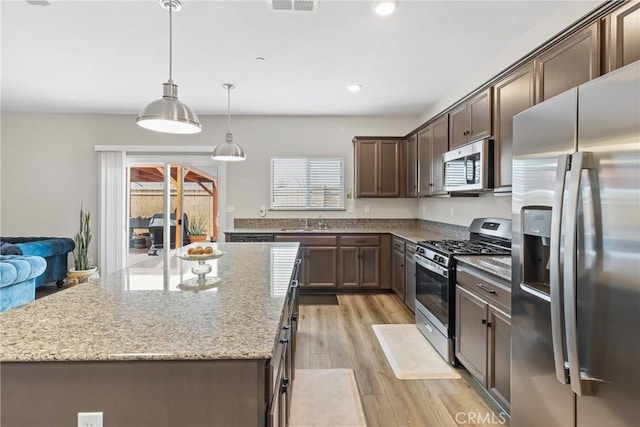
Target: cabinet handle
{"points": [[360, 241], [294, 317], [284, 340], [285, 327], [484, 288], [284, 385]]}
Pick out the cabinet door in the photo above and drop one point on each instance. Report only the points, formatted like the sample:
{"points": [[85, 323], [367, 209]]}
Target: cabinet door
{"points": [[302, 272], [624, 36], [370, 267], [471, 333], [424, 161], [499, 354], [440, 146], [514, 94], [411, 166], [479, 122], [410, 282], [397, 273], [321, 266], [458, 126], [349, 266], [571, 63], [367, 168], [390, 170]]}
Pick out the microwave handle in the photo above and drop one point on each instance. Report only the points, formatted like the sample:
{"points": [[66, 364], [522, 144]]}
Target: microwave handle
{"points": [[473, 170]]}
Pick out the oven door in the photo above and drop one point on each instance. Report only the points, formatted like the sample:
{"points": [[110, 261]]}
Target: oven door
{"points": [[433, 292]]}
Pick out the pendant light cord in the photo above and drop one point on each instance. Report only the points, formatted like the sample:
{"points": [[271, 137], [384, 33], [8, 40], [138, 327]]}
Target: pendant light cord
{"points": [[170, 40], [229, 108]]}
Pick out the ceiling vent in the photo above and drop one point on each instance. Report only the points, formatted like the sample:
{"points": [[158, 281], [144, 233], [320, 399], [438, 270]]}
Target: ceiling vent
{"points": [[294, 5], [38, 2]]}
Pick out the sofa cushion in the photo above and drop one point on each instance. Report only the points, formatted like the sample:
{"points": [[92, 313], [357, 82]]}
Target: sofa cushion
{"points": [[20, 268], [7, 248], [42, 246]]}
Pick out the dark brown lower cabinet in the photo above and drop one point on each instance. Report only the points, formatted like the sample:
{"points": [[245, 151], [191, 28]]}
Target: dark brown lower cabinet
{"points": [[359, 267], [321, 267], [483, 332], [319, 258], [397, 273], [471, 333], [410, 282], [499, 355]]}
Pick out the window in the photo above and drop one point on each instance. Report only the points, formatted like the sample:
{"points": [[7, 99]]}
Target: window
{"points": [[307, 183]]}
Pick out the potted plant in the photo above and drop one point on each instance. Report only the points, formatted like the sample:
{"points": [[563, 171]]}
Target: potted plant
{"points": [[82, 270], [197, 231]]}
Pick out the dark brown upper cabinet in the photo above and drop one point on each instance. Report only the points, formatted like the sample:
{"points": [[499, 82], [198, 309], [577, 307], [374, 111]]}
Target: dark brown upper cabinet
{"points": [[379, 170], [425, 143], [433, 142], [624, 36], [574, 61], [513, 94], [471, 120], [411, 166]]}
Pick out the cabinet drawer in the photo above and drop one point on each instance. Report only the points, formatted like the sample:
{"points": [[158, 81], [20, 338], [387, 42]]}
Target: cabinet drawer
{"points": [[366, 240], [398, 244], [491, 288], [410, 248], [308, 240]]}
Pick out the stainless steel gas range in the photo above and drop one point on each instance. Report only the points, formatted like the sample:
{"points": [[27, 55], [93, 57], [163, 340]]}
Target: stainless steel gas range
{"points": [[436, 281]]}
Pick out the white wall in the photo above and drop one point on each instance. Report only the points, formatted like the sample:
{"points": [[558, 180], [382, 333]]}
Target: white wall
{"points": [[48, 163], [461, 210], [511, 52]]}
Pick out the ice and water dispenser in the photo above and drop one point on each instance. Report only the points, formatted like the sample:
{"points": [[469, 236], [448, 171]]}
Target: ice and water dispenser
{"points": [[536, 240]]}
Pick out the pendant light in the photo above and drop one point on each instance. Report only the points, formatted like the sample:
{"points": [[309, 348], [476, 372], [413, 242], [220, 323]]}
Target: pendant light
{"points": [[167, 114], [228, 151]]}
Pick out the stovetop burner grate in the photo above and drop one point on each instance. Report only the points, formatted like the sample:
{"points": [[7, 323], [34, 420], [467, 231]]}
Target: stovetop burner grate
{"points": [[466, 247]]}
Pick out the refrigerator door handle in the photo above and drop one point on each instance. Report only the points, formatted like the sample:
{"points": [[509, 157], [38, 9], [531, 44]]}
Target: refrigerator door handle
{"points": [[559, 357], [579, 382]]}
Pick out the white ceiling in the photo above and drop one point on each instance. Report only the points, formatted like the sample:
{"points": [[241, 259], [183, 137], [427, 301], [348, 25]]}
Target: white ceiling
{"points": [[112, 56]]}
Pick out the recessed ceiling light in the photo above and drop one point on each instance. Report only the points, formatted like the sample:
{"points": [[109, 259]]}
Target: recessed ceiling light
{"points": [[354, 87], [386, 7]]}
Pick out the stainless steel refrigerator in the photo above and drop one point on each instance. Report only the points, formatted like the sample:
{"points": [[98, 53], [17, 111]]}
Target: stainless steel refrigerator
{"points": [[576, 257]]}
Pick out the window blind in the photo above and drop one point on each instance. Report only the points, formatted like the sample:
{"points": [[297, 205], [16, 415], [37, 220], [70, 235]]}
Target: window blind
{"points": [[307, 183]]}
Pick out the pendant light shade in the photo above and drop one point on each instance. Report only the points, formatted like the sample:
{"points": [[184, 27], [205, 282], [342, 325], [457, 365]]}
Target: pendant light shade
{"points": [[168, 114], [228, 151]]}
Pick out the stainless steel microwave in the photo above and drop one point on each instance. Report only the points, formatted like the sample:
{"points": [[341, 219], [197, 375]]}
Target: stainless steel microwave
{"points": [[470, 167]]}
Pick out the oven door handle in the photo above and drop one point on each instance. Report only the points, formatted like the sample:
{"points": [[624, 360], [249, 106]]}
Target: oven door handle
{"points": [[429, 265]]}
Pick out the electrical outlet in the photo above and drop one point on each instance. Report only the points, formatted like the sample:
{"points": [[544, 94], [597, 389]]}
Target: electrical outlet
{"points": [[90, 419], [453, 212], [350, 208], [424, 209], [263, 210], [366, 209], [231, 208]]}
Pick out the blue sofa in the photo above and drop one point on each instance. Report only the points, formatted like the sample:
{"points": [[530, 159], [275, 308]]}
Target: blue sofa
{"points": [[18, 275], [54, 250]]}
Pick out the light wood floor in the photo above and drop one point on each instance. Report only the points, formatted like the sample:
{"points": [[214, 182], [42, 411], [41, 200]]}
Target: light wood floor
{"points": [[341, 337]]}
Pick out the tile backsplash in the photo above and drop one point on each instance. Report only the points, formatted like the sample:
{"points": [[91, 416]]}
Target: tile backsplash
{"points": [[455, 231]]}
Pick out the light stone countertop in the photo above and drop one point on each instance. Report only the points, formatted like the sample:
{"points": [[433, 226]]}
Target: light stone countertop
{"points": [[139, 313], [411, 234], [499, 265]]}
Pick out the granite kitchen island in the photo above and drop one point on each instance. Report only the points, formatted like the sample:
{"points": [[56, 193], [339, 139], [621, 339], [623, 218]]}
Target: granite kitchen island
{"points": [[136, 347]]}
